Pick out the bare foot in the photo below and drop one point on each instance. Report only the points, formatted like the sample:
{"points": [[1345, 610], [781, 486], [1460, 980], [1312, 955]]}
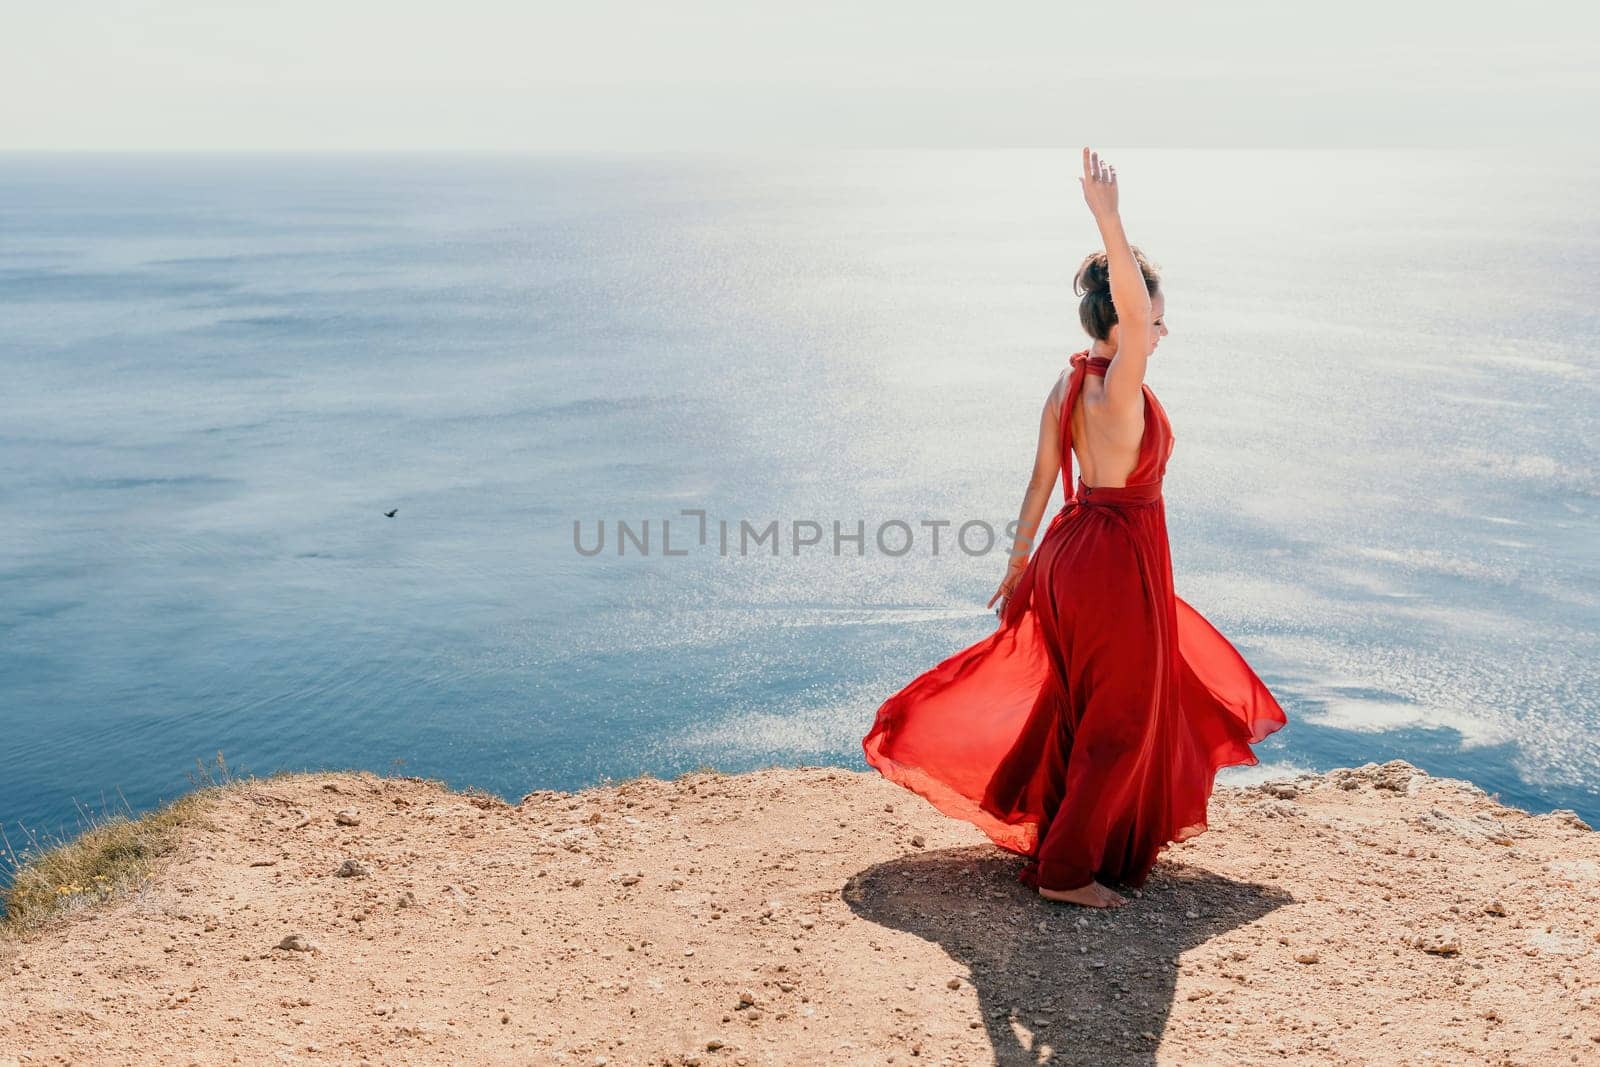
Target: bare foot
{"points": [[1093, 895]]}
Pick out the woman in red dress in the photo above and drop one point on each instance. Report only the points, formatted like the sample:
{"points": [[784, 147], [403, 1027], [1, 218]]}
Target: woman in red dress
{"points": [[1086, 732]]}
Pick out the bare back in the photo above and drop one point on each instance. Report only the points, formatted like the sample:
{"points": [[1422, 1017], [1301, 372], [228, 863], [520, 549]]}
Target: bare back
{"points": [[1105, 443]]}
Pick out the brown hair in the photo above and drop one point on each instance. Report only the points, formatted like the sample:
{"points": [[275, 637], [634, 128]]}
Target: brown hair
{"points": [[1093, 283]]}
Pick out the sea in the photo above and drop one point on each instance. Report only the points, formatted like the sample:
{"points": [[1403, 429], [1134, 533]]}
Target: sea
{"points": [[694, 459]]}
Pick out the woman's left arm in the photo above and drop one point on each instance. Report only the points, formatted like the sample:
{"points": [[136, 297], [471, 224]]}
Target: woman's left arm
{"points": [[1041, 484]]}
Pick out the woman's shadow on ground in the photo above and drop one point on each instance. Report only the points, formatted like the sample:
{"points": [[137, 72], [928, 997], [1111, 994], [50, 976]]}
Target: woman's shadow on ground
{"points": [[1058, 984]]}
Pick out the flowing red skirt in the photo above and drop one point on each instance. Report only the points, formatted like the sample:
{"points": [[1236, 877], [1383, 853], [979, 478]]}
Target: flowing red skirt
{"points": [[1085, 732]]}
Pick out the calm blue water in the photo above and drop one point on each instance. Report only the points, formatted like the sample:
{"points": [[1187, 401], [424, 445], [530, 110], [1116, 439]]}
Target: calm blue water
{"points": [[220, 372]]}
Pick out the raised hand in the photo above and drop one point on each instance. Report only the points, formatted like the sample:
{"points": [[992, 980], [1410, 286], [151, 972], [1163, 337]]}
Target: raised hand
{"points": [[1099, 183]]}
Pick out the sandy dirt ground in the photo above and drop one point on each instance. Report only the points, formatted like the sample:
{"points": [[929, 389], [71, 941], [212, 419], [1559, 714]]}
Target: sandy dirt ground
{"points": [[821, 916]]}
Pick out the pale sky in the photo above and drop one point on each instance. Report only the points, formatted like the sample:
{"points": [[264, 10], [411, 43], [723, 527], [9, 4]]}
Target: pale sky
{"points": [[601, 74]]}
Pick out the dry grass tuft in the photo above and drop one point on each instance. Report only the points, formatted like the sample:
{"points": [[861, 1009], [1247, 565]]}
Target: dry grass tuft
{"points": [[111, 854]]}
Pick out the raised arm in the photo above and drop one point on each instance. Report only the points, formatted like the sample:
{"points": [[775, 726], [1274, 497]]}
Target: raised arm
{"points": [[1129, 295], [1041, 484]]}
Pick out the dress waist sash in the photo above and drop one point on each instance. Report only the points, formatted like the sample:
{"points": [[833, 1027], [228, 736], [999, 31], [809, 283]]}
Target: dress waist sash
{"points": [[1117, 496]]}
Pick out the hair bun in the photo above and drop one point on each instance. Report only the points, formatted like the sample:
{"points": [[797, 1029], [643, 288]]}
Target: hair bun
{"points": [[1094, 275]]}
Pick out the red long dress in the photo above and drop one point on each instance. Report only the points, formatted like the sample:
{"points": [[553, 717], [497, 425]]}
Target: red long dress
{"points": [[1086, 732]]}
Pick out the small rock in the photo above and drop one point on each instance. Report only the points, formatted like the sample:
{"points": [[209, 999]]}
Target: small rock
{"points": [[295, 943], [1305, 957], [347, 817], [1569, 818], [954, 983], [1395, 775], [352, 869], [1494, 907], [1441, 943], [918, 841]]}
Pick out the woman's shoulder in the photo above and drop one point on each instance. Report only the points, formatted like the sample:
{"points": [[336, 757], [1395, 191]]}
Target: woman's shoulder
{"points": [[1058, 391], [1074, 368]]}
